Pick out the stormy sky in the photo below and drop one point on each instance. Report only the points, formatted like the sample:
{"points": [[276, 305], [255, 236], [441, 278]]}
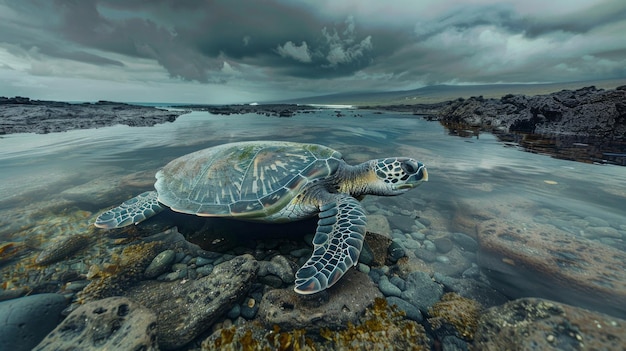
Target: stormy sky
{"points": [[258, 50]]}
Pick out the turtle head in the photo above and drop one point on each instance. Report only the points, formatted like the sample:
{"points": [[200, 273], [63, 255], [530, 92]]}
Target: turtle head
{"points": [[397, 175]]}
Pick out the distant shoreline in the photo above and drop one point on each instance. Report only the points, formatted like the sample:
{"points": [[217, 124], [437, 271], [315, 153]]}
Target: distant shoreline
{"points": [[586, 111]]}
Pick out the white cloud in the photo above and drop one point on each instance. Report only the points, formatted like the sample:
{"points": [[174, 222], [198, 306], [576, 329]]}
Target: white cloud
{"points": [[343, 49], [299, 53]]}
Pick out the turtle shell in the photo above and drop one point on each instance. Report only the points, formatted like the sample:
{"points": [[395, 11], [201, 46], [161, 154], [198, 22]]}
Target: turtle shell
{"points": [[245, 179]]}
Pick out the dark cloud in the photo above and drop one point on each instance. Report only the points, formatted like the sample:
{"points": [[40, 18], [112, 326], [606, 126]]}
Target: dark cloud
{"points": [[322, 47]]}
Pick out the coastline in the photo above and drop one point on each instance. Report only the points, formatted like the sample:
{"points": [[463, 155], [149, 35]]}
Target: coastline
{"points": [[23, 115]]}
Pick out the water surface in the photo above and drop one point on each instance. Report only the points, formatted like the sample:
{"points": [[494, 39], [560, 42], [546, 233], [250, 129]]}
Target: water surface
{"points": [[89, 170]]}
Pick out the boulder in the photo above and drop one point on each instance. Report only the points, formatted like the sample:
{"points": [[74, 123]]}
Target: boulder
{"points": [[541, 260], [344, 302], [537, 324], [114, 323], [25, 321], [185, 309]]}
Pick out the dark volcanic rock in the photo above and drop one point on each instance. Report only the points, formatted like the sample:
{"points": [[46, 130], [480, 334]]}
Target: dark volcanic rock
{"points": [[25, 321], [536, 324], [115, 323], [584, 112], [186, 309], [333, 308], [22, 115], [276, 110]]}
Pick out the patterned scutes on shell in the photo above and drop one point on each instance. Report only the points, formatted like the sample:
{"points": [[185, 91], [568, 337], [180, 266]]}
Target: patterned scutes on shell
{"points": [[246, 179]]}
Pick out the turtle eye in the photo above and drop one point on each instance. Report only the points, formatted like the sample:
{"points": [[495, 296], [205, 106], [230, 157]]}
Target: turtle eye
{"points": [[410, 166]]}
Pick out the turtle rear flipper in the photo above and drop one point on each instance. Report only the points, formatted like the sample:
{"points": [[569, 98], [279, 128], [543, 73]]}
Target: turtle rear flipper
{"points": [[135, 210], [336, 244]]}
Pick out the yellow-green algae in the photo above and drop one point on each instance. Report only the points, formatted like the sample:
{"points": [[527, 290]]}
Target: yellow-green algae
{"points": [[383, 327], [457, 312], [127, 265]]}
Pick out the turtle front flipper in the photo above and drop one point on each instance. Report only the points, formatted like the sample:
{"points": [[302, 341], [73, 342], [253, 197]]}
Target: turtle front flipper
{"points": [[135, 210], [336, 244]]}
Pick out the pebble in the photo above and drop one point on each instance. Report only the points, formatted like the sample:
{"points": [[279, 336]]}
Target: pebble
{"points": [[397, 281], [419, 225], [271, 280], [465, 241], [363, 268], [179, 256], [418, 236], [443, 259], [172, 276], [205, 270], [234, 312], [443, 245], [425, 221], [305, 252], [250, 306], [411, 244], [160, 264], [25, 321], [421, 291], [387, 288], [178, 267], [201, 261], [367, 256], [278, 266], [430, 246], [375, 274], [396, 251], [424, 255]]}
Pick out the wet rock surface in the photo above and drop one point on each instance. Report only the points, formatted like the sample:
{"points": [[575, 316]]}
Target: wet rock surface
{"points": [[185, 309], [22, 115], [345, 302], [25, 321], [543, 261], [586, 111], [537, 324], [114, 323]]}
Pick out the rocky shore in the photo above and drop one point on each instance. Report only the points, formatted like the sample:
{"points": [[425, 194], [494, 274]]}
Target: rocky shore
{"points": [[274, 110], [588, 111], [22, 115]]}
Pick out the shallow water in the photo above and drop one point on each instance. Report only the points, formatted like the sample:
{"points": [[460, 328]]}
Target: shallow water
{"points": [[86, 171]]}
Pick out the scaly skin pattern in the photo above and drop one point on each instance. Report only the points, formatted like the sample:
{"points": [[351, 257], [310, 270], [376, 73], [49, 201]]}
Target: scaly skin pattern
{"points": [[278, 182]]}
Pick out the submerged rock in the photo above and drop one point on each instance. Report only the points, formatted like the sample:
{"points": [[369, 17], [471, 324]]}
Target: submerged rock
{"points": [[342, 303], [160, 263], [537, 324], [115, 323], [187, 309], [380, 327], [541, 260], [25, 321], [62, 248]]}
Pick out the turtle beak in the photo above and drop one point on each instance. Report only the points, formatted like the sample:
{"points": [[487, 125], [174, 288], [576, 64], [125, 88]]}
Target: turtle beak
{"points": [[415, 180], [424, 174]]}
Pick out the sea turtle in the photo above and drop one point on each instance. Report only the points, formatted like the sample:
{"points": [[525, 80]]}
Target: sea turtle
{"points": [[277, 181]]}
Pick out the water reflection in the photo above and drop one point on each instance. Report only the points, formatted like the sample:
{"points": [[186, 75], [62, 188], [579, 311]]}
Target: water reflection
{"points": [[566, 147], [55, 184]]}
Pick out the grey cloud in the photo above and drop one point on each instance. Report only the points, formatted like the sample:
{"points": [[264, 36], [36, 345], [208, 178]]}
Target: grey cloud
{"points": [[582, 21]]}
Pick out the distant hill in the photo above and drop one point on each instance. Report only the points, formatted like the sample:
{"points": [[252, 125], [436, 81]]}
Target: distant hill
{"points": [[439, 93]]}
